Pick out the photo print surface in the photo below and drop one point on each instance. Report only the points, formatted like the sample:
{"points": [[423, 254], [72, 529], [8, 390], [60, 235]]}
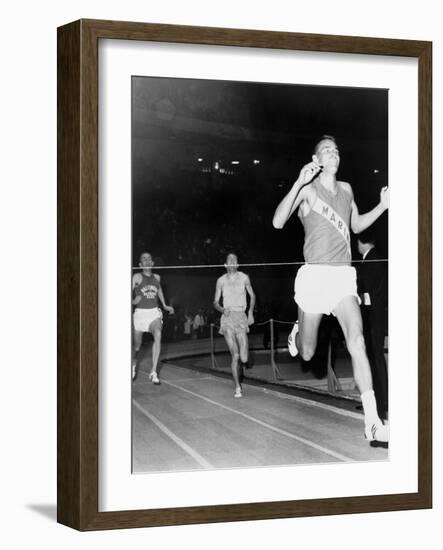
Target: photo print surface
{"points": [[259, 274]]}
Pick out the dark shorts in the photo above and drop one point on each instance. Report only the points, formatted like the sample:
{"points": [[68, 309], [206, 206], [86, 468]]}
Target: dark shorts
{"points": [[235, 321]]}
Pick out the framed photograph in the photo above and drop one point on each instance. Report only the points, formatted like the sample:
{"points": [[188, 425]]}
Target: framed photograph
{"points": [[244, 275]]}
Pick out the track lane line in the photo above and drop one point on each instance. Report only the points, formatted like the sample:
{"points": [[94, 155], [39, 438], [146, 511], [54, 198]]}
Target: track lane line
{"points": [[177, 440], [277, 393], [265, 424]]}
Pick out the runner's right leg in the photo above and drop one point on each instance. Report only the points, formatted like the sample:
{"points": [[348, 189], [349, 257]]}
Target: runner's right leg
{"points": [[349, 316], [235, 356], [137, 337], [306, 337]]}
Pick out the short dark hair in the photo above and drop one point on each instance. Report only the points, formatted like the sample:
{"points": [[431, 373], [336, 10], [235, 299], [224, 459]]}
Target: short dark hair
{"points": [[322, 138], [231, 254]]}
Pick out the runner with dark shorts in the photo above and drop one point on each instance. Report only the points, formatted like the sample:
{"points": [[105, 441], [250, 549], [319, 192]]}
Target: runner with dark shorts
{"points": [[234, 322]]}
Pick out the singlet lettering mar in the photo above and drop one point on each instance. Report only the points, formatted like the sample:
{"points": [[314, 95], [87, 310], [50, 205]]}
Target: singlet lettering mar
{"points": [[327, 238], [149, 288], [233, 291]]}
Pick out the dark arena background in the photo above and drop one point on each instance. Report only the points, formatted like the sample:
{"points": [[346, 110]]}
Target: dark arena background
{"points": [[211, 160]]}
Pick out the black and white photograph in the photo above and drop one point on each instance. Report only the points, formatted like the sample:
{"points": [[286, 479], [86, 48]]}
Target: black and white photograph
{"points": [[229, 219], [259, 276]]}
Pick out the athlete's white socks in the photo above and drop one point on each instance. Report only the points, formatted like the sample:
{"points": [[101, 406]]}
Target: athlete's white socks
{"points": [[370, 408]]}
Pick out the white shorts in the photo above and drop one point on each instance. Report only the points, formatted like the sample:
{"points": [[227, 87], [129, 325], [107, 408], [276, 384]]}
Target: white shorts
{"points": [[144, 317], [320, 288]]}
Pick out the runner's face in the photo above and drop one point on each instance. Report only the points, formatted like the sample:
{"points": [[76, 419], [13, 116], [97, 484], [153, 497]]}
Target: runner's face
{"points": [[231, 262], [146, 260], [328, 155]]}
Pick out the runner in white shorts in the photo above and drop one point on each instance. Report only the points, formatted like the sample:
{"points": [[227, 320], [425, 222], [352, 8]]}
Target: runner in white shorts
{"points": [[147, 317], [234, 322], [327, 282]]}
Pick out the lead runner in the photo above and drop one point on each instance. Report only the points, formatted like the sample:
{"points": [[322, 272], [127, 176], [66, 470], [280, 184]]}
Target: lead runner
{"points": [[327, 282]]}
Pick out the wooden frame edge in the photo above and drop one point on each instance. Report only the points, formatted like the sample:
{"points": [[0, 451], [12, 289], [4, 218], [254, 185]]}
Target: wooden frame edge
{"points": [[68, 276], [77, 170], [425, 271]]}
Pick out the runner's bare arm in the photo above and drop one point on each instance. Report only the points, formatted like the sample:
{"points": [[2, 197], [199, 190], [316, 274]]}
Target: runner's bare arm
{"points": [[360, 222], [136, 280], [161, 296], [251, 293], [217, 296], [296, 195]]}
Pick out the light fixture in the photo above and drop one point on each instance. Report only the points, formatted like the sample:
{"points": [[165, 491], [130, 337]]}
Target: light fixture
{"points": [[200, 160], [255, 161], [235, 162]]}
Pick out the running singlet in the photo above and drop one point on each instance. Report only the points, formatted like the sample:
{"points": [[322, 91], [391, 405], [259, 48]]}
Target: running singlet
{"points": [[233, 290], [148, 289], [327, 239]]}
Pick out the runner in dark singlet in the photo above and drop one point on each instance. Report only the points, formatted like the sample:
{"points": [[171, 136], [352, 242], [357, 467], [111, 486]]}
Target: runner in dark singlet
{"points": [[147, 317], [327, 282]]}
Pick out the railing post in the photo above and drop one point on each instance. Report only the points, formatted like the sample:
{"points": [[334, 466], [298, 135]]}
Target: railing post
{"points": [[331, 385], [271, 331], [212, 345], [277, 375]]}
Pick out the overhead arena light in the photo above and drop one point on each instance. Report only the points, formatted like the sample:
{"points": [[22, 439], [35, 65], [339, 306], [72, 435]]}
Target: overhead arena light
{"points": [[255, 161], [235, 162], [200, 160]]}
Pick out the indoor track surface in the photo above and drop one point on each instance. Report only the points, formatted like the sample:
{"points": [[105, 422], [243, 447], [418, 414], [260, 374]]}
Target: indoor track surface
{"points": [[192, 421]]}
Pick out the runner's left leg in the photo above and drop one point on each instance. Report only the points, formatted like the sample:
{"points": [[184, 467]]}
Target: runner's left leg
{"points": [[349, 316], [137, 338], [231, 341], [156, 329]]}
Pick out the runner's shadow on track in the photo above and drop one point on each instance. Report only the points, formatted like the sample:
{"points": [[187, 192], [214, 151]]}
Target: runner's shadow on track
{"points": [[251, 361]]}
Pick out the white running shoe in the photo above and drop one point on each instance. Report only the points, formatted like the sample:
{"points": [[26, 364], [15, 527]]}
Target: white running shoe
{"points": [[292, 347], [377, 432], [154, 378], [238, 393]]}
